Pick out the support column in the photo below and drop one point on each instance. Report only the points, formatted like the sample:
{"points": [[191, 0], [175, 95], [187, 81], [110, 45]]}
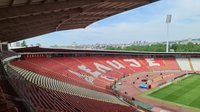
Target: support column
{"points": [[3, 46], [0, 46]]}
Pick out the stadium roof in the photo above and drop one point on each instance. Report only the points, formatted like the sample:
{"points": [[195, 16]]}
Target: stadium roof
{"points": [[21, 19]]}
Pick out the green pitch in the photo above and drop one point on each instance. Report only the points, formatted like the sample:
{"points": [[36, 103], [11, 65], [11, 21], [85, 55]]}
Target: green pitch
{"points": [[184, 92]]}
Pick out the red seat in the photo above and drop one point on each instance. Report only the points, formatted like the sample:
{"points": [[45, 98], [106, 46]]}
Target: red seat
{"points": [[58, 67]]}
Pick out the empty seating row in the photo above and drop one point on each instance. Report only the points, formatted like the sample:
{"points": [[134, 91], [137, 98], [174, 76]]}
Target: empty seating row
{"points": [[49, 83], [98, 72], [195, 63], [58, 75], [184, 64], [49, 100], [5, 54]]}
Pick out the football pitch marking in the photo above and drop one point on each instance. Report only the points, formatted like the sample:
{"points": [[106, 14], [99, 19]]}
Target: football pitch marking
{"points": [[185, 92]]}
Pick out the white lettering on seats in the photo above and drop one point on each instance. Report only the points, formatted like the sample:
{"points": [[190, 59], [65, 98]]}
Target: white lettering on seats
{"points": [[86, 78], [115, 64], [151, 62], [84, 68], [107, 78], [134, 63], [102, 68]]}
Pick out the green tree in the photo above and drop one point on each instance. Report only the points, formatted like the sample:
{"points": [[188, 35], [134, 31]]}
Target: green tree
{"points": [[23, 44], [38, 44], [189, 47], [174, 46]]}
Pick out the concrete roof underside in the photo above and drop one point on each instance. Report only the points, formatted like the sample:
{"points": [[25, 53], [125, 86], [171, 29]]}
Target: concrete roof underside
{"points": [[21, 19]]}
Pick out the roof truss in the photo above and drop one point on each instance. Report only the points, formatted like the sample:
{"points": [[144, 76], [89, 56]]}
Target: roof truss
{"points": [[21, 19]]}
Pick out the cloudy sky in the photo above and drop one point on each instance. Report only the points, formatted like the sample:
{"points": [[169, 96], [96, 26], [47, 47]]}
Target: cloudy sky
{"points": [[146, 23]]}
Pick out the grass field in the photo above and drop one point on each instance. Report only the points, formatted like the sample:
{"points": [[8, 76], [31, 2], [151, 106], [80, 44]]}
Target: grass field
{"points": [[185, 92]]}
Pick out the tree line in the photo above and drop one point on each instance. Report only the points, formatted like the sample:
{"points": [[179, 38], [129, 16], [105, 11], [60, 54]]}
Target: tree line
{"points": [[189, 47]]}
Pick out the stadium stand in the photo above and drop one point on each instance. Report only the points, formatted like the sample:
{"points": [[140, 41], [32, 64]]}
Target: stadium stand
{"points": [[98, 71], [45, 97], [10, 100], [57, 81], [195, 63], [6, 54], [53, 84], [171, 64], [48, 71], [183, 64]]}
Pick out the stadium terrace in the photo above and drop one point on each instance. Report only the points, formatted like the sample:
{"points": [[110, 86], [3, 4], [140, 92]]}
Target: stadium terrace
{"points": [[35, 79], [103, 68]]}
